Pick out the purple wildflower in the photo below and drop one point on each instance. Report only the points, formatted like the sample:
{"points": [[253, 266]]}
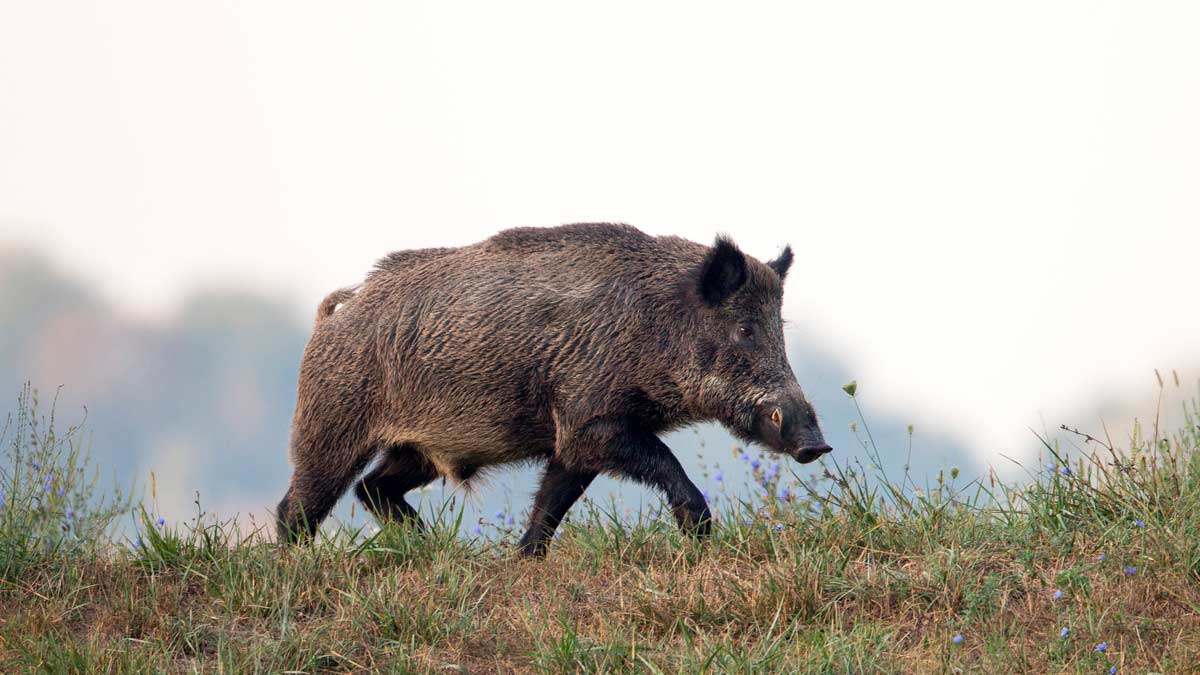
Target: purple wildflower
{"points": [[1112, 670], [478, 529], [1066, 471], [1130, 569], [1057, 595], [745, 457], [957, 638], [499, 515], [1139, 523], [754, 463], [1063, 633], [60, 491], [1102, 646], [783, 493], [160, 521], [718, 477], [778, 527], [1100, 558], [509, 520]]}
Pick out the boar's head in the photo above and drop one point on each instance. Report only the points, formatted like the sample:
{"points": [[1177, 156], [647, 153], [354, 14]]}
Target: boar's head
{"points": [[745, 380]]}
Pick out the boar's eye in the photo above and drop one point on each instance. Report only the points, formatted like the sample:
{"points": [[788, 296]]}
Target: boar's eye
{"points": [[746, 333]]}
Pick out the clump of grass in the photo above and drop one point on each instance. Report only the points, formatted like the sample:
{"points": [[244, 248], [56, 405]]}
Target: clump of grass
{"points": [[1079, 570], [49, 502]]}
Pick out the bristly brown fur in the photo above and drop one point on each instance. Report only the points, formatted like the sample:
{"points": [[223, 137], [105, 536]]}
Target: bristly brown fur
{"points": [[575, 345]]}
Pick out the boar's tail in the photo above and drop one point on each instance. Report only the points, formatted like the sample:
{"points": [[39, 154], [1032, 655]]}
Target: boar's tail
{"points": [[332, 300]]}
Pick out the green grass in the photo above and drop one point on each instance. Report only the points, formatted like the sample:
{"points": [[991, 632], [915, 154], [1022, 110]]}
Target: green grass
{"points": [[851, 573]]}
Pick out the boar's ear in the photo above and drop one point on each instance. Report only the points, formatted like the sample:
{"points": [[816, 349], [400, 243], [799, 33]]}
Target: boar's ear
{"points": [[782, 263], [722, 272]]}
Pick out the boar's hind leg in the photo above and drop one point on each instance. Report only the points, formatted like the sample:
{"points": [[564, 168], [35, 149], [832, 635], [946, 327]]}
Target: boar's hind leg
{"points": [[382, 490], [322, 474], [561, 487], [631, 453], [310, 497]]}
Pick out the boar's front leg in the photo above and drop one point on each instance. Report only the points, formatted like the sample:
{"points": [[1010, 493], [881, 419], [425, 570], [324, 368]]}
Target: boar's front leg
{"points": [[560, 488], [624, 450], [646, 459]]}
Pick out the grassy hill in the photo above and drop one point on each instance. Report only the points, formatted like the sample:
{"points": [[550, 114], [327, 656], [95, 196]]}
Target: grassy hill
{"points": [[1091, 565]]}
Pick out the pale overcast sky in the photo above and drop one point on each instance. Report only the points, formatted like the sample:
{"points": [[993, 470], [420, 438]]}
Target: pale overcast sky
{"points": [[995, 206]]}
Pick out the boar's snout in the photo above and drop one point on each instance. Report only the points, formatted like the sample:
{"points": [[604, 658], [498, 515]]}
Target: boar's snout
{"points": [[789, 425]]}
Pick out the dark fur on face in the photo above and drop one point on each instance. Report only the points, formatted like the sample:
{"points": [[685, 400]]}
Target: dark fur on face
{"points": [[577, 345]]}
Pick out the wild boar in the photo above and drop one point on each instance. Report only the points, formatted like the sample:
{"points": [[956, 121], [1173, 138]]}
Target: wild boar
{"points": [[576, 346]]}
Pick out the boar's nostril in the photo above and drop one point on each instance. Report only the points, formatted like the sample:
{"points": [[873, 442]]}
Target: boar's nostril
{"points": [[777, 417]]}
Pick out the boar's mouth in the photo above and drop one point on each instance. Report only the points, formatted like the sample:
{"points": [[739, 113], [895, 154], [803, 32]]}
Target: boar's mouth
{"points": [[750, 427], [810, 453]]}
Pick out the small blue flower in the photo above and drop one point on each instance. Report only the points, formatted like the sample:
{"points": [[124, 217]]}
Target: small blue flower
{"points": [[1066, 471], [36, 466], [1112, 670], [1057, 595], [1102, 646], [957, 638], [478, 529], [1139, 523], [60, 491], [1100, 558], [70, 512], [745, 457], [137, 542], [778, 527], [783, 493], [718, 477], [499, 515], [1130, 569], [1063, 633], [509, 520], [754, 463], [160, 521]]}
